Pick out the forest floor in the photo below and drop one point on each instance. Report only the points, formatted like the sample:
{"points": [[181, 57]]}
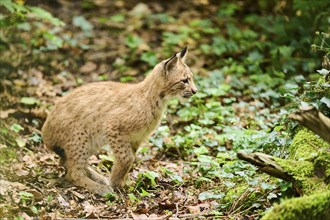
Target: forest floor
{"points": [[189, 168]]}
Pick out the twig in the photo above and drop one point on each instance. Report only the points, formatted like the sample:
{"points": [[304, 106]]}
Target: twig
{"points": [[236, 201], [177, 209], [202, 215]]}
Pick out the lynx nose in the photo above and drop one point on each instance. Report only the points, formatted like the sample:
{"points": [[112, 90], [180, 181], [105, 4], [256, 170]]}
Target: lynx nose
{"points": [[194, 90]]}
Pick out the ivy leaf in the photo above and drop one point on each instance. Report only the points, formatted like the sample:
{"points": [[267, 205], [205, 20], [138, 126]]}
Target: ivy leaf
{"points": [[42, 14], [151, 175], [132, 197], [35, 138], [29, 100], [201, 150], [144, 193], [117, 18], [34, 210], [209, 195], [150, 58], [133, 41], [271, 196], [16, 128], [81, 22], [25, 195], [20, 142], [266, 186], [176, 178], [326, 101], [323, 72], [13, 7], [106, 158]]}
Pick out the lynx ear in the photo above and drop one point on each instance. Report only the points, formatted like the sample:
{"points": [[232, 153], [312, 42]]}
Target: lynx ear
{"points": [[183, 54], [170, 63]]}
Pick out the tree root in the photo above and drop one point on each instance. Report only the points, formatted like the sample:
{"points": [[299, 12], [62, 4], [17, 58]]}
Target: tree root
{"points": [[266, 164], [313, 120]]}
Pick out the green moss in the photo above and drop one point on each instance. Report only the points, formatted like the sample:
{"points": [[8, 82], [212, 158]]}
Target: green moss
{"points": [[247, 196], [8, 146], [299, 168], [311, 185], [234, 193], [308, 163], [322, 165], [314, 207], [306, 145], [7, 155]]}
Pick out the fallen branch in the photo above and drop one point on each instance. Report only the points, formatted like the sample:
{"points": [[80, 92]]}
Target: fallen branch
{"points": [[201, 216], [266, 164], [313, 120]]}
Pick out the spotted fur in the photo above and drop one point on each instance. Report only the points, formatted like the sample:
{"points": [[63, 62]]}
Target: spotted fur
{"points": [[121, 115]]}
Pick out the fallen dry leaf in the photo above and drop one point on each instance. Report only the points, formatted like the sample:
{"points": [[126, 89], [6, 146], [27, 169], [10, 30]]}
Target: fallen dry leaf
{"points": [[35, 193], [139, 216], [4, 114], [62, 201], [20, 169], [7, 186], [88, 67], [80, 196], [88, 208], [194, 209]]}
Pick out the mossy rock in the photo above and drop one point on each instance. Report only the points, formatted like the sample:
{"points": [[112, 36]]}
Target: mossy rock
{"points": [[315, 206], [309, 165]]}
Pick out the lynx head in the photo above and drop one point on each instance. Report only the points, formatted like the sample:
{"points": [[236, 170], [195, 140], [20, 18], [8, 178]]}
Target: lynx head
{"points": [[176, 76]]}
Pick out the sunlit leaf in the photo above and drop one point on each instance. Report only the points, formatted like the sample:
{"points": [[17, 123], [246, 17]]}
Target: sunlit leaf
{"points": [[43, 14], [16, 128], [29, 101], [133, 41], [326, 101], [144, 193], [81, 22], [210, 195]]}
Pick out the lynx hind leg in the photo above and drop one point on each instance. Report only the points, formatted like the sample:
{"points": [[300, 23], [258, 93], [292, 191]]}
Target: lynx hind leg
{"points": [[94, 175], [124, 158], [77, 170]]}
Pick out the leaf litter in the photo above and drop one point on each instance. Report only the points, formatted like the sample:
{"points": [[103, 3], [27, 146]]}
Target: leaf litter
{"points": [[187, 170]]}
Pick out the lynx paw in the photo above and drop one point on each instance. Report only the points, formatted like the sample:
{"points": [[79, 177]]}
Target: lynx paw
{"points": [[104, 190]]}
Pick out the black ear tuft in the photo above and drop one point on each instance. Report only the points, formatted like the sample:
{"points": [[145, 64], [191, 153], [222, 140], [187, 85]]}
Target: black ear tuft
{"points": [[183, 52], [169, 60]]}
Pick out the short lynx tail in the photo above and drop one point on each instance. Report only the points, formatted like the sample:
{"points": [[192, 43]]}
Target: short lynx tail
{"points": [[60, 152]]}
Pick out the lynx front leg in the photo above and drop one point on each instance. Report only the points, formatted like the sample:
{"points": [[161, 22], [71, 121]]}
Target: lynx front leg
{"points": [[81, 179], [124, 158], [94, 175], [78, 172]]}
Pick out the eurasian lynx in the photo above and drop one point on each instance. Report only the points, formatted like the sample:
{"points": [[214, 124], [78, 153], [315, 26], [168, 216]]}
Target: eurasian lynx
{"points": [[121, 115]]}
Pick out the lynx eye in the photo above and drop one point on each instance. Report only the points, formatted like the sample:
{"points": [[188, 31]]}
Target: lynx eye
{"points": [[185, 80]]}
